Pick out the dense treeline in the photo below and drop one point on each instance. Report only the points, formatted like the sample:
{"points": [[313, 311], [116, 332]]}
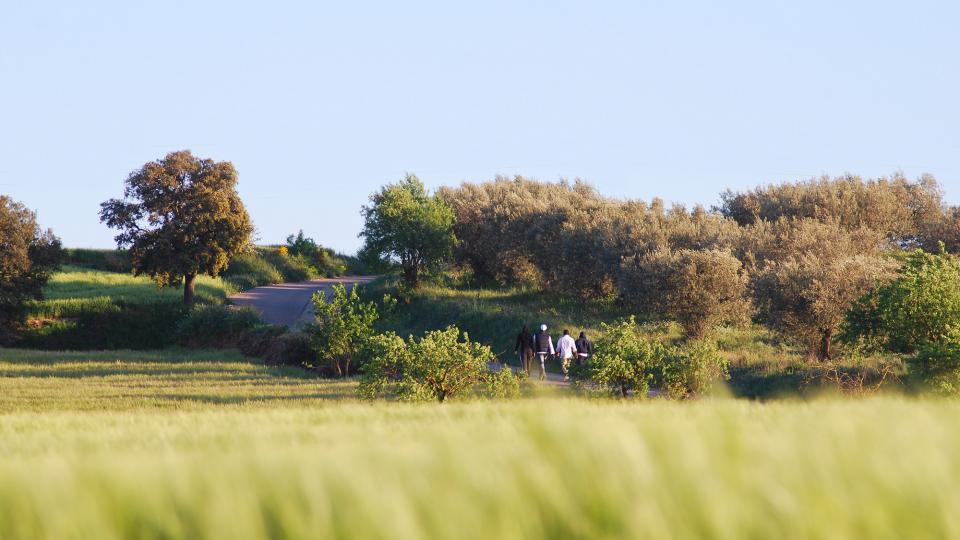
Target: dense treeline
{"points": [[794, 256]]}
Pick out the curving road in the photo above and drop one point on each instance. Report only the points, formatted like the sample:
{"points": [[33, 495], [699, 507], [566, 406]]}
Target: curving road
{"points": [[288, 304]]}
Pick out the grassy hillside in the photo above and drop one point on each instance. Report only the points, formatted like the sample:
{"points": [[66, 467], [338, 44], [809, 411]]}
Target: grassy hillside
{"points": [[78, 289], [94, 309], [119, 445]]}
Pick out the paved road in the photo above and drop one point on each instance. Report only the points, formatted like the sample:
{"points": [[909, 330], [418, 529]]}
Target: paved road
{"points": [[288, 304]]}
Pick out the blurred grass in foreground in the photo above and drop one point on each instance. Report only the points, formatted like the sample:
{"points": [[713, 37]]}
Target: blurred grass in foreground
{"points": [[277, 455]]}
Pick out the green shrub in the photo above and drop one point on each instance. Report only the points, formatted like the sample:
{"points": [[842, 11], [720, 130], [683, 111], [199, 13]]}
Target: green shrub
{"points": [[323, 261], [257, 342], [437, 367], [914, 310], [626, 361], [250, 270], [936, 367], [108, 260], [689, 370], [341, 328], [216, 326], [292, 268], [294, 349], [502, 383]]}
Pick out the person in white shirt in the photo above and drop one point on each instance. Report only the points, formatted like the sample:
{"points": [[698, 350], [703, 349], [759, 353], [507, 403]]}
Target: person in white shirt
{"points": [[543, 344], [566, 350]]}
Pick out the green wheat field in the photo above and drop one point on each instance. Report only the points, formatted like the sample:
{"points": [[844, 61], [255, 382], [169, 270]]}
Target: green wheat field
{"points": [[206, 444]]}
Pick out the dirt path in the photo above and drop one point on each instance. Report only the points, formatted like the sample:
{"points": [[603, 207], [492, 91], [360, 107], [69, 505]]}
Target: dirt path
{"points": [[288, 304]]}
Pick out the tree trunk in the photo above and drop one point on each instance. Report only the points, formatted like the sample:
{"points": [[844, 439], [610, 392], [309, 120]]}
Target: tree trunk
{"points": [[824, 353], [189, 289], [411, 275]]}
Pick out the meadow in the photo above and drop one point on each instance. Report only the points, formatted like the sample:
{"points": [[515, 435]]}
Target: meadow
{"points": [[194, 444]]}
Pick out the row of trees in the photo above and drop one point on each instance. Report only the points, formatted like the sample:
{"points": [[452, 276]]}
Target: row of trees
{"points": [[793, 256]]}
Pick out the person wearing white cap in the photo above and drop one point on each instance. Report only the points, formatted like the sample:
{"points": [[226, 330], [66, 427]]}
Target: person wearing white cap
{"points": [[543, 344]]}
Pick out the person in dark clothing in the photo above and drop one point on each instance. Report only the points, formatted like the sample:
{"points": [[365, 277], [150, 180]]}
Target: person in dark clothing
{"points": [[584, 348], [524, 348], [543, 345]]}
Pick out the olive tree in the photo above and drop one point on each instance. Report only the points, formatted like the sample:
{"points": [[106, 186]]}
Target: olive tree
{"points": [[807, 274], [180, 216], [698, 289], [28, 256], [408, 225], [897, 208]]}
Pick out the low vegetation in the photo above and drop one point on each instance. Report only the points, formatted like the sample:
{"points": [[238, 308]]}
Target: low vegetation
{"points": [[87, 309], [626, 362], [168, 380], [188, 445], [342, 329], [440, 366]]}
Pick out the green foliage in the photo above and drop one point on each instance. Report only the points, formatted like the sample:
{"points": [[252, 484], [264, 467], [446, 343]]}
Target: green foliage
{"points": [[916, 309], [292, 268], [408, 225], [28, 256], [87, 309], [216, 326], [118, 324], [108, 260], [502, 383], [341, 328], [937, 364], [624, 360], [181, 217], [324, 261], [437, 367], [690, 369], [251, 269]]}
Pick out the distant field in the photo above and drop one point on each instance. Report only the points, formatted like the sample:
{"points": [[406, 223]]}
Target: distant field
{"points": [[174, 445], [173, 379], [75, 289]]}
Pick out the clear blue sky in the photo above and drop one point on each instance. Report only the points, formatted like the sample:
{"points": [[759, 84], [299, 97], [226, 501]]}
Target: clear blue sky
{"points": [[319, 103]]}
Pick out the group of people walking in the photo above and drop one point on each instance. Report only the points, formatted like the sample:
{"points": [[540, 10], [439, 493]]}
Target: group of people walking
{"points": [[540, 345]]}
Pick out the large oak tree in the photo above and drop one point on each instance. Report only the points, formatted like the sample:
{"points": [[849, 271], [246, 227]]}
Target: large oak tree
{"points": [[180, 217]]}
